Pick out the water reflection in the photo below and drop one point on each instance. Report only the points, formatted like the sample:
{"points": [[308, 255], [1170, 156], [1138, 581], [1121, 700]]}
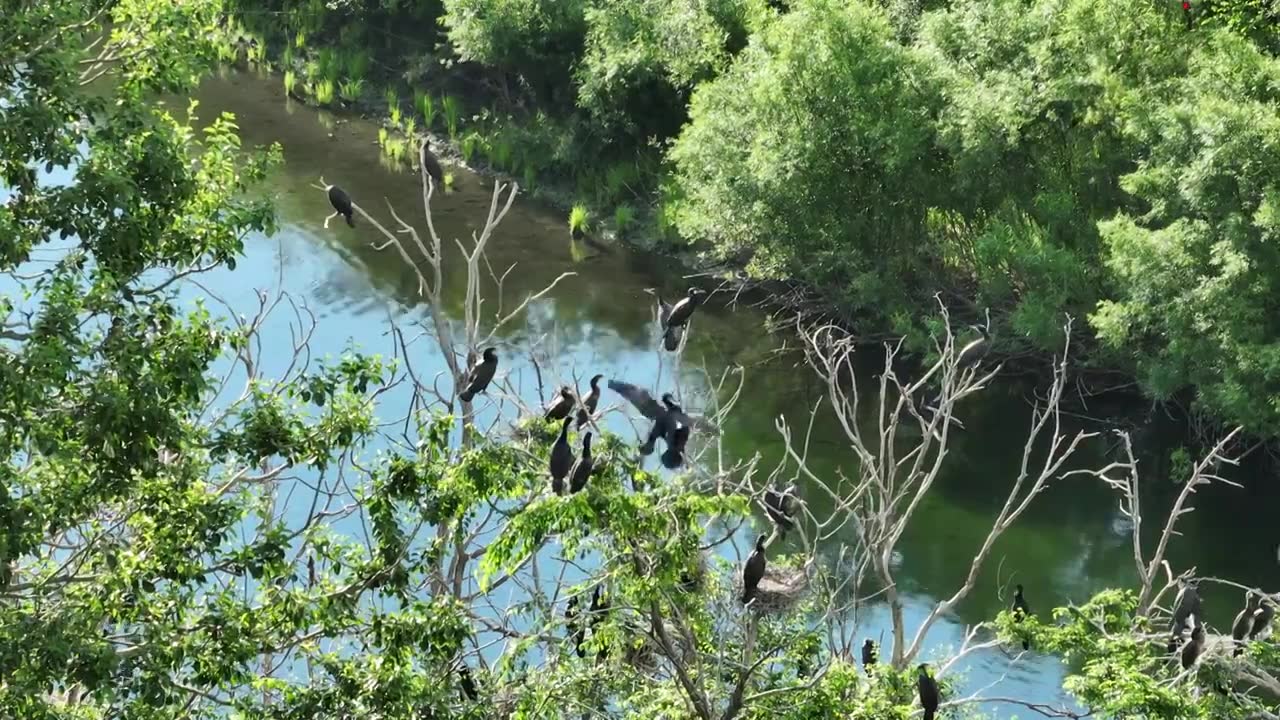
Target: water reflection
{"points": [[1067, 545]]}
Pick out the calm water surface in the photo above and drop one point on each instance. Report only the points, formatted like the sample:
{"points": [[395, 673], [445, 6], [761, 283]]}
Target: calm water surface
{"points": [[1070, 543]]}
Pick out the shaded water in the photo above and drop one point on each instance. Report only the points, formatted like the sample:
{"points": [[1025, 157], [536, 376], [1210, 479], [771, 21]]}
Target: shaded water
{"points": [[1070, 543]]}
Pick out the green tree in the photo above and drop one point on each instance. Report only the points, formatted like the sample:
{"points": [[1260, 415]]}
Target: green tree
{"points": [[643, 59], [813, 155], [1196, 269], [538, 39]]}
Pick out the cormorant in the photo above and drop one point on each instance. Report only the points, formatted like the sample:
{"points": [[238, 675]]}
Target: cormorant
{"points": [[466, 683], [341, 203], [682, 310], [599, 606], [561, 458], [1188, 604], [481, 375], [777, 505], [671, 334], [429, 161], [582, 468], [1244, 622], [753, 571], [1262, 618], [928, 688], [1020, 610], [664, 426], [599, 609], [590, 402], [673, 456], [671, 337], [1195, 645], [576, 627], [665, 416], [868, 654], [560, 407], [973, 353]]}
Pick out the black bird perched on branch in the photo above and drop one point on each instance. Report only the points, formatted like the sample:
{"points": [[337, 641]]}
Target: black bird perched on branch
{"points": [[466, 683], [673, 456], [666, 416], [975, 351], [576, 627], [1191, 651], [1243, 623], [671, 334], [561, 459], [599, 606], [1188, 605], [683, 309], [753, 571], [341, 203], [928, 689], [599, 610], [1262, 619], [582, 468], [1021, 610], [590, 402], [778, 506], [561, 406], [868, 654], [430, 162], [481, 375]]}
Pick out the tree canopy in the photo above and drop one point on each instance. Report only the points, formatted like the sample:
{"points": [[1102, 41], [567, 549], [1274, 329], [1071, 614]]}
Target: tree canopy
{"points": [[183, 534]]}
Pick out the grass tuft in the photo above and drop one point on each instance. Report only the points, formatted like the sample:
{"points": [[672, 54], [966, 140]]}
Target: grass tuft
{"points": [[579, 220]]}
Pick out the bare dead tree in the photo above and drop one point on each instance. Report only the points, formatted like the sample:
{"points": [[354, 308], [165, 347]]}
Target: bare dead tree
{"points": [[899, 445]]}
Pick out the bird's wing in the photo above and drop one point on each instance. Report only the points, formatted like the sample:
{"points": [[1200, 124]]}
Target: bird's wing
{"points": [[639, 397]]}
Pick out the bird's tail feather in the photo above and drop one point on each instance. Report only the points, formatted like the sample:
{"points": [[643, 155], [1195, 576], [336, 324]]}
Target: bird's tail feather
{"points": [[351, 220]]}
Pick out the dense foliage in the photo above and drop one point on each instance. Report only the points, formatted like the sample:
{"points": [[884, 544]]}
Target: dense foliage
{"points": [[1033, 157], [183, 536]]}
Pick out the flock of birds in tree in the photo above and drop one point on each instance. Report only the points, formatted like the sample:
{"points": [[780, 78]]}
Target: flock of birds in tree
{"points": [[672, 425], [1187, 635]]}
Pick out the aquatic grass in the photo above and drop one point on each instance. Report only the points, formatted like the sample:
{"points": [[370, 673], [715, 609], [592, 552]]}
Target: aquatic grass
{"points": [[286, 56], [357, 63], [392, 97], [290, 81], [226, 52], [623, 216], [350, 89], [324, 91], [448, 181], [396, 149], [579, 220], [470, 144], [300, 39], [311, 70], [383, 136], [530, 178], [449, 106], [499, 151], [327, 61], [410, 125], [427, 106], [395, 115], [257, 51]]}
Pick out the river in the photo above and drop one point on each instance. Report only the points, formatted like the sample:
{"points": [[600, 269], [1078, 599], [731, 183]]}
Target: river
{"points": [[1070, 543]]}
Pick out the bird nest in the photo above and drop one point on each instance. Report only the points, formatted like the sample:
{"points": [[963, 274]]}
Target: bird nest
{"points": [[780, 590]]}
